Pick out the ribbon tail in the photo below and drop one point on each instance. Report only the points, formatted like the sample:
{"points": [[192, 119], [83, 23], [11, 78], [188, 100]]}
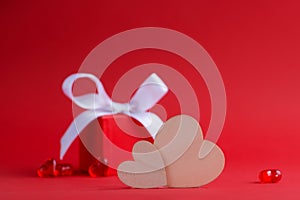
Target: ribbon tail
{"points": [[150, 121], [79, 123]]}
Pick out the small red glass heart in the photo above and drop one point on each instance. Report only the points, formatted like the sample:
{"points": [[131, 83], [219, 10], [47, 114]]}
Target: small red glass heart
{"points": [[270, 176], [47, 169], [97, 169], [63, 170]]}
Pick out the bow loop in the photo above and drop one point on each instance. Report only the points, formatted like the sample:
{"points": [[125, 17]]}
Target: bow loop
{"points": [[87, 101]]}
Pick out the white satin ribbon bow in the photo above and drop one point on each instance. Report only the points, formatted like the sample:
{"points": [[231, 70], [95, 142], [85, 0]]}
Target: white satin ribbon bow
{"points": [[100, 104]]}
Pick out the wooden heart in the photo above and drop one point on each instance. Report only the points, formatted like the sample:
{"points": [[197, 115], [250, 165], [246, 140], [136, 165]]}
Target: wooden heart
{"points": [[147, 170], [179, 141]]}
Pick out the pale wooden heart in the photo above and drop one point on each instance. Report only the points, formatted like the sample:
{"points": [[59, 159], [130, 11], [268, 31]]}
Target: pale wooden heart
{"points": [[147, 170], [179, 141]]}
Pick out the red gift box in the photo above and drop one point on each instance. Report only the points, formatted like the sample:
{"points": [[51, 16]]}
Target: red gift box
{"points": [[121, 130]]}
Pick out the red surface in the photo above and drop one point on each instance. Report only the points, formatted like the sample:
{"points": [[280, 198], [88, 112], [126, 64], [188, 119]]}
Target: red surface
{"points": [[254, 43]]}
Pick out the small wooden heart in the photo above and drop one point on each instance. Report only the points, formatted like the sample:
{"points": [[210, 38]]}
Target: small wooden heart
{"points": [[179, 142], [147, 170]]}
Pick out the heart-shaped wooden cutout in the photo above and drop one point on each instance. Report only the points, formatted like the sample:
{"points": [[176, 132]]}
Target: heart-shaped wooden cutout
{"points": [[179, 142], [147, 170]]}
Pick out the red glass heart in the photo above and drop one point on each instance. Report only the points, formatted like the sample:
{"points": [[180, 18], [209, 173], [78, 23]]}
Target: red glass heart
{"points": [[47, 169], [97, 169], [63, 170], [270, 176]]}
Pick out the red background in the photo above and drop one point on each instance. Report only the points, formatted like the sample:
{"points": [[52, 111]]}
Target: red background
{"points": [[255, 45]]}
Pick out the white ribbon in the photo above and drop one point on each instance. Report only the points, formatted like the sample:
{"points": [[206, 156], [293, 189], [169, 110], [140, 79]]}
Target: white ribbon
{"points": [[100, 104]]}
